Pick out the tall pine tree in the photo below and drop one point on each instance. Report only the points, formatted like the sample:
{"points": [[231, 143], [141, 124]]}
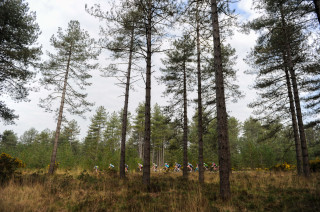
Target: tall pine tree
{"points": [[74, 50], [178, 78]]}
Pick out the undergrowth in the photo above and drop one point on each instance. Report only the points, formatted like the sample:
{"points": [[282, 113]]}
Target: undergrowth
{"points": [[80, 190]]}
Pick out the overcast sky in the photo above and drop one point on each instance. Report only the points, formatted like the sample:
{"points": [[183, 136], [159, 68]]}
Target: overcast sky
{"points": [[52, 14]]}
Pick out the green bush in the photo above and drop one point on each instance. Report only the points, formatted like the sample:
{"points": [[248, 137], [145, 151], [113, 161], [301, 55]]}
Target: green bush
{"points": [[315, 165], [8, 166]]}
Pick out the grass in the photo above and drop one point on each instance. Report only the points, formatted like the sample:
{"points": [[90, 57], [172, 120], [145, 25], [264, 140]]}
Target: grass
{"points": [[78, 190]]}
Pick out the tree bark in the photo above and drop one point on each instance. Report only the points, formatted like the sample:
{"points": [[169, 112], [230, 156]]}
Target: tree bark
{"points": [[317, 8], [200, 126], [58, 128], [305, 157], [97, 147], [185, 124], [294, 121], [146, 163], [125, 112], [223, 139]]}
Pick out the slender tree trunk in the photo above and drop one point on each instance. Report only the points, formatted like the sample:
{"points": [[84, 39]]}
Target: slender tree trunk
{"points": [[294, 122], [305, 157], [125, 112], [223, 139], [317, 8], [185, 124], [162, 164], [97, 146], [57, 134], [200, 126], [140, 146], [146, 163]]}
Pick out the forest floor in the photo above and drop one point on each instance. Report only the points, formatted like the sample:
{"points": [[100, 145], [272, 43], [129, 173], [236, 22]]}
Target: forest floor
{"points": [[78, 190]]}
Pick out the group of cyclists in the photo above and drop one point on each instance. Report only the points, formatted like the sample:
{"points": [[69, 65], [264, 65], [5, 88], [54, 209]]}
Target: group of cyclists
{"points": [[111, 167], [177, 167]]}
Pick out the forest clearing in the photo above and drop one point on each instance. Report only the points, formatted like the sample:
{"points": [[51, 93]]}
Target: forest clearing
{"points": [[79, 190], [160, 105]]}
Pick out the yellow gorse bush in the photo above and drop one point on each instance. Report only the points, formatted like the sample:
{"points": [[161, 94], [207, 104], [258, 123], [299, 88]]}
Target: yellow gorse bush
{"points": [[283, 167], [6, 158], [8, 166]]}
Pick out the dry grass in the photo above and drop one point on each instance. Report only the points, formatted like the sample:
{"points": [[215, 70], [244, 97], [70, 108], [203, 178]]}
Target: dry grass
{"points": [[82, 191]]}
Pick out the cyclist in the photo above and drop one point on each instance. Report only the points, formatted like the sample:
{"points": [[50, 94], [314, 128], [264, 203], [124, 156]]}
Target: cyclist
{"points": [[205, 166], [155, 166], [177, 167], [166, 167], [190, 167], [197, 168], [214, 166], [126, 167], [140, 166], [96, 168]]}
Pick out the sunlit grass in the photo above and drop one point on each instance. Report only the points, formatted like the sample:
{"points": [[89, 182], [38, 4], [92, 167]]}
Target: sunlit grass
{"points": [[75, 190]]}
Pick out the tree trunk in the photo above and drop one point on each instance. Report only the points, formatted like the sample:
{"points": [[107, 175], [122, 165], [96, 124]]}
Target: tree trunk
{"points": [[146, 162], [200, 127], [185, 124], [125, 112], [305, 157], [57, 134], [317, 8], [294, 121], [222, 122], [140, 146]]}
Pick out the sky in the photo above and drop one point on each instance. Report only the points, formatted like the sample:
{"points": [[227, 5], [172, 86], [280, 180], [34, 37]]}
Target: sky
{"points": [[52, 14]]}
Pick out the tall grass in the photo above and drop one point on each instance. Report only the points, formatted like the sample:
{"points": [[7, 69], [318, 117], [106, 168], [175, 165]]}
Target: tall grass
{"points": [[78, 190]]}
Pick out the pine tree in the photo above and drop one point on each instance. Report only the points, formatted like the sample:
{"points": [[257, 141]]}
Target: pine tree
{"points": [[222, 120], [70, 133], [29, 136], [112, 133], [178, 79], [195, 16], [159, 135], [138, 129], [289, 55], [74, 50], [120, 37], [155, 14], [94, 136], [9, 139], [18, 53], [273, 79]]}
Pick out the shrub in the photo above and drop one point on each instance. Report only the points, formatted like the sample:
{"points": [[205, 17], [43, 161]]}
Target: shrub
{"points": [[56, 165], [315, 165], [8, 166], [283, 167]]}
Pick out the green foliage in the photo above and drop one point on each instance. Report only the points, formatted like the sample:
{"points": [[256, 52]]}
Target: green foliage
{"points": [[18, 51], [8, 166], [68, 69], [56, 165], [8, 139], [92, 148], [29, 136]]}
